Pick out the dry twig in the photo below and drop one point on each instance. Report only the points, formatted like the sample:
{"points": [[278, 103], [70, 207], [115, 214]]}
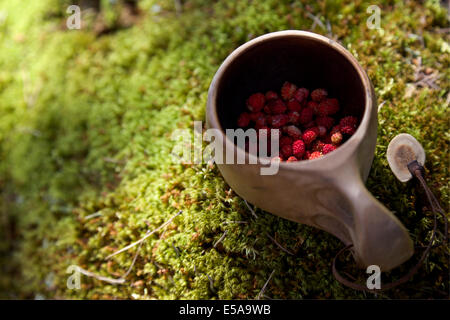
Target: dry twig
{"points": [[221, 238], [148, 234], [251, 210], [101, 278], [261, 293], [279, 245]]}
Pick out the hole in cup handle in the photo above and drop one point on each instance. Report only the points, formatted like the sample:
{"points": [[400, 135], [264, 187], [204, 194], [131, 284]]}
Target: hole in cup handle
{"points": [[379, 237]]}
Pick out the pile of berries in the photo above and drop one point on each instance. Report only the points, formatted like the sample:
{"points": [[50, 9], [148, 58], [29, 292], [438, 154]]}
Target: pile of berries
{"points": [[308, 122]]}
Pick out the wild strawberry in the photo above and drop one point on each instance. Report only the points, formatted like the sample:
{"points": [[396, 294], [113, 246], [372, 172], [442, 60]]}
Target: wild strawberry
{"points": [[256, 102], [348, 121], [294, 105], [348, 125], [260, 122], [276, 106], [335, 129], [307, 155], [278, 120], [304, 129], [322, 130], [317, 145], [287, 91], [284, 140], [336, 138], [327, 148], [348, 130], [319, 94], [315, 155], [327, 122], [306, 115], [243, 120], [313, 105], [286, 151], [271, 95], [294, 132], [255, 115], [310, 135], [301, 94], [328, 107], [298, 148], [293, 117]]}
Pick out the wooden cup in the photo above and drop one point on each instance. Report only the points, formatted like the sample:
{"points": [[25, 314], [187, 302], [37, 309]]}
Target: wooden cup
{"points": [[328, 192]]}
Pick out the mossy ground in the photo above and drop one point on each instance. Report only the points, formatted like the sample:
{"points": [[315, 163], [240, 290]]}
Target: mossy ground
{"points": [[85, 127]]}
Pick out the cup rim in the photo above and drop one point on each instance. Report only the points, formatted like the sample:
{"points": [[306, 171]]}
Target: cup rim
{"points": [[345, 149]]}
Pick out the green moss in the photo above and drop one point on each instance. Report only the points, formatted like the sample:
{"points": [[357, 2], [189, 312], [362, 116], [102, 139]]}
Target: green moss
{"points": [[85, 127]]}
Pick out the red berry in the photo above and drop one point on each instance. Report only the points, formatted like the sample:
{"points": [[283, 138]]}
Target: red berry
{"points": [[314, 105], [285, 141], [260, 122], [286, 151], [328, 148], [256, 102], [348, 125], [266, 109], [348, 130], [335, 129], [243, 120], [319, 94], [349, 121], [294, 132], [317, 145], [315, 155], [278, 120], [301, 94], [271, 95], [310, 135], [293, 117], [336, 138], [307, 155], [292, 159], [306, 115], [294, 105], [298, 148], [287, 91], [276, 106], [327, 122], [255, 115], [328, 107]]}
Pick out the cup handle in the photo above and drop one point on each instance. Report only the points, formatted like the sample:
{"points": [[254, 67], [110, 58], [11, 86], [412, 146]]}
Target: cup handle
{"points": [[379, 237]]}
